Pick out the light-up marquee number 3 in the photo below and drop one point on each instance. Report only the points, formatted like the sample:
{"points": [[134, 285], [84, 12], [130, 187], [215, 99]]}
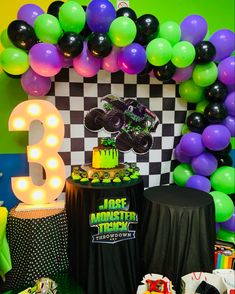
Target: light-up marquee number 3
{"points": [[44, 152]]}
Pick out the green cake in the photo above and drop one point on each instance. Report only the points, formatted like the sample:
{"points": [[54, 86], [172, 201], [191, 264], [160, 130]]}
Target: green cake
{"points": [[105, 155]]}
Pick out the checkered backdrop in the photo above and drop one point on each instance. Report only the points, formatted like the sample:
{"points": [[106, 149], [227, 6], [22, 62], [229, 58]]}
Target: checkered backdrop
{"points": [[74, 96]]}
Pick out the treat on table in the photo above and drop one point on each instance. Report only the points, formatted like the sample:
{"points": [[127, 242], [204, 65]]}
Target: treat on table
{"points": [[155, 284], [105, 155]]}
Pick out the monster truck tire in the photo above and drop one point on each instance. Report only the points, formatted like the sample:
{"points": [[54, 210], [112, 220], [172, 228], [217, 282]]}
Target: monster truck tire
{"points": [[113, 120], [93, 120], [124, 142], [142, 142]]}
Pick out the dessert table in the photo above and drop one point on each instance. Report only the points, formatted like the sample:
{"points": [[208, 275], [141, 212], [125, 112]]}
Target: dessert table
{"points": [[103, 224], [178, 232]]}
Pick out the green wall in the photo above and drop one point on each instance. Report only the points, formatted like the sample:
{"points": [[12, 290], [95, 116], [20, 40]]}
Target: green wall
{"points": [[11, 94]]}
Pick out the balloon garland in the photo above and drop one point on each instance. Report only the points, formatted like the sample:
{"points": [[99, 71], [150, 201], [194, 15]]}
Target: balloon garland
{"points": [[38, 45]]}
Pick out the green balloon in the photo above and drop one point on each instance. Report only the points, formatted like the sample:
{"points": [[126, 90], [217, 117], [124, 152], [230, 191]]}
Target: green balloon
{"points": [[190, 92], [72, 17], [47, 28], [185, 129], [223, 179], [6, 42], [225, 235], [122, 31], [201, 106], [205, 74], [170, 31], [159, 51], [183, 54], [182, 173], [14, 61], [223, 206]]}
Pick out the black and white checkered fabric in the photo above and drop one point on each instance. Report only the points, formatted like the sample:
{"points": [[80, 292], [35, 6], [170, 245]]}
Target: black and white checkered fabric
{"points": [[74, 96]]}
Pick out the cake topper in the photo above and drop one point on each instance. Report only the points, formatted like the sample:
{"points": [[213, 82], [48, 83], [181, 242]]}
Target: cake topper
{"points": [[132, 119]]}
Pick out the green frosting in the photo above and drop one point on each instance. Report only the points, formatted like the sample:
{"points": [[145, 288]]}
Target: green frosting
{"points": [[95, 181], [117, 180], [106, 181], [108, 158], [84, 180]]}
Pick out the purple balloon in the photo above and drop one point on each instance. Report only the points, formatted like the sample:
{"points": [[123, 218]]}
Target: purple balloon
{"points": [[34, 84], [199, 182], [110, 63], [193, 29], [183, 74], [100, 14], [180, 156], [132, 59], [226, 71], [216, 137], [230, 223], [29, 13], [229, 122], [224, 42], [86, 64], [230, 103], [191, 144], [204, 164], [45, 59]]}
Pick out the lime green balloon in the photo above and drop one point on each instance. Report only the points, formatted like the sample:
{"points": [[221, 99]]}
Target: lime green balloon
{"points": [[6, 42], [159, 51], [170, 31], [185, 129], [205, 74], [72, 17], [201, 106], [14, 61], [223, 179], [223, 206], [122, 31], [183, 54], [182, 173], [190, 92], [225, 235], [47, 28]]}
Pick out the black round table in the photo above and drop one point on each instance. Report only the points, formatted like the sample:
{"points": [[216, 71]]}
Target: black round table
{"points": [[178, 232], [103, 236]]}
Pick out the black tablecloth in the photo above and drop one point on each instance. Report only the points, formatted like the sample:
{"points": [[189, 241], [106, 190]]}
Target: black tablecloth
{"points": [[111, 268], [38, 244], [178, 232]]}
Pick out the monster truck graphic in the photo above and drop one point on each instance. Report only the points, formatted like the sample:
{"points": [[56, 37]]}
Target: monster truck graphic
{"points": [[132, 119]]}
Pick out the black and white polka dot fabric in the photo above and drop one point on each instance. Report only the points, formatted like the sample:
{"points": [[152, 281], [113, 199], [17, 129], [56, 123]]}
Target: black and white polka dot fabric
{"points": [[38, 242]]}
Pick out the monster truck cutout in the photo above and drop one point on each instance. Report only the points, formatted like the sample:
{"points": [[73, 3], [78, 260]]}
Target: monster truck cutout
{"points": [[133, 120]]}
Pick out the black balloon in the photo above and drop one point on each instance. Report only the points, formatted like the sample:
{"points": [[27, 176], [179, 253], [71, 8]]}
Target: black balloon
{"points": [[86, 30], [164, 73], [54, 8], [196, 122], [99, 44], [21, 34], [216, 92], [223, 152], [224, 160], [126, 11], [147, 28], [146, 70], [71, 44], [215, 112], [205, 52]]}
